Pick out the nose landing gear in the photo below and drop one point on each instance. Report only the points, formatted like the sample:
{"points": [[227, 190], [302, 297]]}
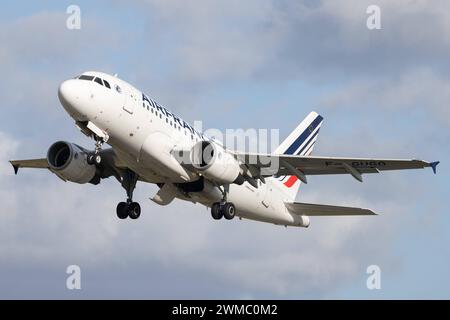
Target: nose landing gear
{"points": [[96, 158]]}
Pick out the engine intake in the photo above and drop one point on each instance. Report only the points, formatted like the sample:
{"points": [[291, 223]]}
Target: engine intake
{"points": [[69, 162], [215, 163]]}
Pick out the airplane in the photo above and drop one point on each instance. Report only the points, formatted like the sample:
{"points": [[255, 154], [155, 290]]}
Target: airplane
{"points": [[149, 143]]}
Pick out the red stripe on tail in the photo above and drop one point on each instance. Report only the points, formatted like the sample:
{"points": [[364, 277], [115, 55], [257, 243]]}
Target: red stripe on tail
{"points": [[290, 182]]}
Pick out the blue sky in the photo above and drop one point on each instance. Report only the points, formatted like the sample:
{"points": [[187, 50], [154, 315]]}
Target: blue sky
{"points": [[257, 64]]}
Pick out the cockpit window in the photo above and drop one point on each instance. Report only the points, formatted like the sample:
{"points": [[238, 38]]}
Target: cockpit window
{"points": [[85, 77], [99, 81]]}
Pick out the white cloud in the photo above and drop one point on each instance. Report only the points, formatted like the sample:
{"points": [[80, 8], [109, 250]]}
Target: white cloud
{"points": [[418, 89]]}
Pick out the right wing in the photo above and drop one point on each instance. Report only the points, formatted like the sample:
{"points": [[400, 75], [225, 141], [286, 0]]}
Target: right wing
{"points": [[311, 210], [301, 166]]}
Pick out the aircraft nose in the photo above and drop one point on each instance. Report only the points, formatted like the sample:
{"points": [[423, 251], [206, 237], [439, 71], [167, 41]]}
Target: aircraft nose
{"points": [[67, 94]]}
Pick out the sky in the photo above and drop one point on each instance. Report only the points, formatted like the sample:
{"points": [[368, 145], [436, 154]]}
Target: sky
{"points": [[232, 64]]}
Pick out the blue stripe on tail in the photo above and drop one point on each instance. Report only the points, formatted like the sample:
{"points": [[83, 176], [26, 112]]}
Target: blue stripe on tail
{"points": [[305, 134]]}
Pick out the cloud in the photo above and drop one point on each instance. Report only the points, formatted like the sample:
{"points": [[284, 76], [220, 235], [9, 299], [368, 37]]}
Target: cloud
{"points": [[298, 40], [418, 89], [39, 52]]}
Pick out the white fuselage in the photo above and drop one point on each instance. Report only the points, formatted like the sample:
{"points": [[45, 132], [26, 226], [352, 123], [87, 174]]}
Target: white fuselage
{"points": [[143, 136]]}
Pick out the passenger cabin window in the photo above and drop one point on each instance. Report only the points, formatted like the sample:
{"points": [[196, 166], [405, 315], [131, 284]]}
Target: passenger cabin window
{"points": [[85, 77], [99, 81]]}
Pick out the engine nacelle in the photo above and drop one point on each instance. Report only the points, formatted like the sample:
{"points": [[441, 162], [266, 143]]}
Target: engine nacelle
{"points": [[69, 162], [215, 163]]}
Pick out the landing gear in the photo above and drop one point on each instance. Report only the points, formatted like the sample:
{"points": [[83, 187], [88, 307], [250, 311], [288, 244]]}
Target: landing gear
{"points": [[229, 211], [125, 210], [216, 211], [122, 210], [223, 208], [129, 209], [96, 158], [134, 210], [226, 210]]}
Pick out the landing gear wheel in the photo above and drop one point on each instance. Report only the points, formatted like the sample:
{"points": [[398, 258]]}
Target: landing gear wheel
{"points": [[98, 159], [216, 211], [128, 180], [94, 159], [229, 211], [134, 210], [122, 210], [91, 159]]}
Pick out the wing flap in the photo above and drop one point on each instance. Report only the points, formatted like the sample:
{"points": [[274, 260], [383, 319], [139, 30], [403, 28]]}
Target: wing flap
{"points": [[318, 210]]}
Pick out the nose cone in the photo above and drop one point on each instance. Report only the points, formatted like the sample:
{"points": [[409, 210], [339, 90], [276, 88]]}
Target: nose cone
{"points": [[69, 97]]}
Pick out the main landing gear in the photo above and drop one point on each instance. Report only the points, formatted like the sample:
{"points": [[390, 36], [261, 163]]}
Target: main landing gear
{"points": [[223, 208], [129, 208], [226, 210], [128, 180]]}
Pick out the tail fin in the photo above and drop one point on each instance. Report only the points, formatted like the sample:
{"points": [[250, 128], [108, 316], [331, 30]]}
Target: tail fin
{"points": [[300, 142]]}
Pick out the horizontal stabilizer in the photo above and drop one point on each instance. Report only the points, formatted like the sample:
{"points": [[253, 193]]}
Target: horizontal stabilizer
{"points": [[310, 209]]}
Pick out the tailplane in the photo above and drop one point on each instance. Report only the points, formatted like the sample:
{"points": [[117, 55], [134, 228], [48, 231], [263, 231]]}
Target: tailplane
{"points": [[317, 210]]}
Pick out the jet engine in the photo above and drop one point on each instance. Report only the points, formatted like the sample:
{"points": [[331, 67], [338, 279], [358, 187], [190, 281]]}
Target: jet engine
{"points": [[215, 163], [69, 162]]}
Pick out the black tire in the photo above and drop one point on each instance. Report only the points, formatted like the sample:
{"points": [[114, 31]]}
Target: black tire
{"points": [[90, 159], [134, 210], [122, 210], [216, 211], [229, 211], [93, 158]]}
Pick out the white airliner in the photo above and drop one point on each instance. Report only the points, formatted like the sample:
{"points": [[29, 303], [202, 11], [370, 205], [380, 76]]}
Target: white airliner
{"points": [[151, 144]]}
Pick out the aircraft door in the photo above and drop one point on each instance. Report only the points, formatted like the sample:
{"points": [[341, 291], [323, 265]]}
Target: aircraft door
{"points": [[132, 97]]}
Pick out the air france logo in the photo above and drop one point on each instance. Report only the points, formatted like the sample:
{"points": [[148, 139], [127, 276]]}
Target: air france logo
{"points": [[149, 103]]}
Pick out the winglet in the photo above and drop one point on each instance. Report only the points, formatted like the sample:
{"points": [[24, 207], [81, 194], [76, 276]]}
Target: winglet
{"points": [[16, 167], [433, 165]]}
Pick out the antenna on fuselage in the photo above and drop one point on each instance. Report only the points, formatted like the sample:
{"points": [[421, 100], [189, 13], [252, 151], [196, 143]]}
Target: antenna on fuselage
{"points": [[115, 75]]}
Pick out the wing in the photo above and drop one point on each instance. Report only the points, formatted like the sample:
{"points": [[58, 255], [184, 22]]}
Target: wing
{"points": [[309, 209], [301, 166], [111, 164], [31, 163]]}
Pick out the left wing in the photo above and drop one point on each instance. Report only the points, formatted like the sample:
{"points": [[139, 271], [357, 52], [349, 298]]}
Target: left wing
{"points": [[31, 163], [301, 166]]}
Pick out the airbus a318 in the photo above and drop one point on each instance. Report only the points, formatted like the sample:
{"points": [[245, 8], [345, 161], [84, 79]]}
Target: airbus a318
{"points": [[150, 144]]}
